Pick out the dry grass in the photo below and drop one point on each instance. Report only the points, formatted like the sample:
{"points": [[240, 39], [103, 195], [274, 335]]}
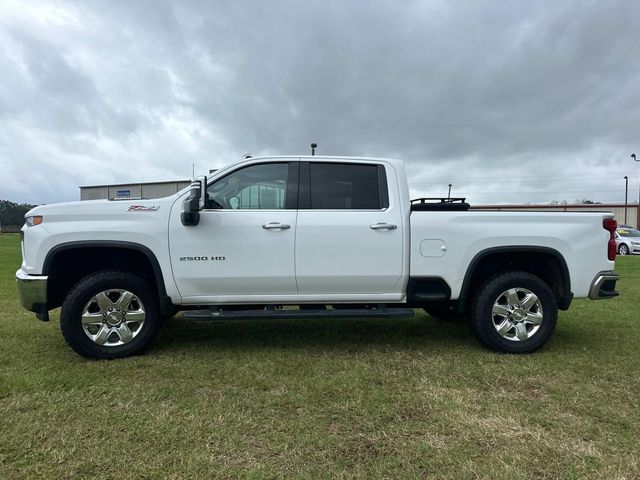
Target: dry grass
{"points": [[331, 398]]}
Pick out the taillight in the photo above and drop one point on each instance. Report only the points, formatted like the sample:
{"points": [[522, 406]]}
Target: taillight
{"points": [[610, 225]]}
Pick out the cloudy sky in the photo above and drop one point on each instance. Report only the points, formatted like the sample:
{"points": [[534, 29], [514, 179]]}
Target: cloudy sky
{"points": [[508, 101]]}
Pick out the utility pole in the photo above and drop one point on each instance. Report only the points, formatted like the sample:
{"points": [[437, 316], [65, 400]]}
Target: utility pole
{"points": [[626, 196]]}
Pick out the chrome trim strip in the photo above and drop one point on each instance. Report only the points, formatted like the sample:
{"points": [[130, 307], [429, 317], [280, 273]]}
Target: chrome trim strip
{"points": [[596, 285]]}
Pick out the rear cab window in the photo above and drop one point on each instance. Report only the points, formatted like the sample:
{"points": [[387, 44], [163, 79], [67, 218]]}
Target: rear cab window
{"points": [[345, 186]]}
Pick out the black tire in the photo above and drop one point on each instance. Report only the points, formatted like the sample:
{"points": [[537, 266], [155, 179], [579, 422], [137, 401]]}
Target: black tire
{"points": [[482, 320], [444, 312], [90, 286], [623, 250]]}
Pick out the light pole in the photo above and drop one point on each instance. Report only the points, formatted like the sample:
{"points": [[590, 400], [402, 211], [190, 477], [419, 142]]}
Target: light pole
{"points": [[633, 155], [626, 196]]}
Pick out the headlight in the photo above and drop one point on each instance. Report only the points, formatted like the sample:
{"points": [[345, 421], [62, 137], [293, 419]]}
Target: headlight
{"points": [[34, 220], [635, 243]]}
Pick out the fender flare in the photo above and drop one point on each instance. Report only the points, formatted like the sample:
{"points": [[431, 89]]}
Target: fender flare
{"points": [[165, 300], [563, 302]]}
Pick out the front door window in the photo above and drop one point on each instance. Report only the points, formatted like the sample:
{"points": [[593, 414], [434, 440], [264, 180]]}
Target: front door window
{"points": [[256, 187]]}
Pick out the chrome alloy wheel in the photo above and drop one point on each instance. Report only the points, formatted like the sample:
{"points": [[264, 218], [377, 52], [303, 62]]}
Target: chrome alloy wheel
{"points": [[517, 314], [113, 317]]}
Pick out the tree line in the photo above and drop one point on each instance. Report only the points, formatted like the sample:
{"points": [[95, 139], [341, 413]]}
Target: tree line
{"points": [[12, 214]]}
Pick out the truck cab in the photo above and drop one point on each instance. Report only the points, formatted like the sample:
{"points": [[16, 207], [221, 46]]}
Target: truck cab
{"points": [[283, 230]]}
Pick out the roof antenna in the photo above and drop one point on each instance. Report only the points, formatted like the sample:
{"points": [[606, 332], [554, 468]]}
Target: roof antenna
{"points": [[247, 155], [313, 149]]}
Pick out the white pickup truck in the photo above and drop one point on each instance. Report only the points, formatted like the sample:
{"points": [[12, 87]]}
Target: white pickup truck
{"points": [[332, 236]]}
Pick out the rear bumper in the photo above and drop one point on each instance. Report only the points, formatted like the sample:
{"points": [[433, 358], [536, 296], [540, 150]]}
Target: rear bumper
{"points": [[32, 290], [604, 285]]}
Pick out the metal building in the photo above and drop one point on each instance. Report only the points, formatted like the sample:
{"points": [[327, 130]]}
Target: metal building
{"points": [[132, 190], [630, 212]]}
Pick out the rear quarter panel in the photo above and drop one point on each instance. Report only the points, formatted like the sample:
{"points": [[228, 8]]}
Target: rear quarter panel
{"points": [[578, 237]]}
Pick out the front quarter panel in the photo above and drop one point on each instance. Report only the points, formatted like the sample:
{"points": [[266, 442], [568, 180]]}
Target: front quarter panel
{"points": [[141, 222]]}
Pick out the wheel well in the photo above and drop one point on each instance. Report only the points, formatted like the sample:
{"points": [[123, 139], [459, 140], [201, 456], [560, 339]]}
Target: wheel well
{"points": [[67, 266], [548, 265]]}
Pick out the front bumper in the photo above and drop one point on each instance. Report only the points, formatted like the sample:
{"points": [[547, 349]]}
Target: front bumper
{"points": [[604, 285], [32, 290]]}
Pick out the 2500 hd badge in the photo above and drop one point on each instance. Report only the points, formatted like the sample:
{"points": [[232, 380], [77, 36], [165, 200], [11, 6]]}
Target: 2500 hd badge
{"points": [[201, 259]]}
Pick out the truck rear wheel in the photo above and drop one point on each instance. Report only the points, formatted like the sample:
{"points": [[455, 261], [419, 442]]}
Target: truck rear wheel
{"points": [[110, 314], [515, 312]]}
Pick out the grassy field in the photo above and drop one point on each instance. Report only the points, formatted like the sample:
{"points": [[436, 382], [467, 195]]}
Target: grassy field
{"points": [[415, 398]]}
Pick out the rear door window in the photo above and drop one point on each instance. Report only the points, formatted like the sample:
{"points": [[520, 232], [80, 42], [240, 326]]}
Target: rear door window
{"points": [[344, 186]]}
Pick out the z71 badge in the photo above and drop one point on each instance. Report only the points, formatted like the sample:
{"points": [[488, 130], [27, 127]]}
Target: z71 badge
{"points": [[143, 208]]}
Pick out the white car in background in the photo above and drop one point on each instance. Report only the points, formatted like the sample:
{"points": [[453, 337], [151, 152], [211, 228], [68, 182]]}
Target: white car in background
{"points": [[627, 241]]}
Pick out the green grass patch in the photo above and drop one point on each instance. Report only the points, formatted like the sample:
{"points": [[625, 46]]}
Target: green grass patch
{"points": [[410, 398]]}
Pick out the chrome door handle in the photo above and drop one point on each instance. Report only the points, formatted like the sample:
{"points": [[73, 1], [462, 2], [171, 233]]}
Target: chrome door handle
{"points": [[276, 226], [383, 226]]}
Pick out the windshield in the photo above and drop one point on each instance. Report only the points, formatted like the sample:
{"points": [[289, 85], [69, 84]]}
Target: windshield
{"points": [[628, 232]]}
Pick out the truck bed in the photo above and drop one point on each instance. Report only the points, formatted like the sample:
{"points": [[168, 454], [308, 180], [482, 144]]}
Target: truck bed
{"points": [[445, 243]]}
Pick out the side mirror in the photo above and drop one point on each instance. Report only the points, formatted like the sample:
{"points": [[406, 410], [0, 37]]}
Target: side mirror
{"points": [[195, 202]]}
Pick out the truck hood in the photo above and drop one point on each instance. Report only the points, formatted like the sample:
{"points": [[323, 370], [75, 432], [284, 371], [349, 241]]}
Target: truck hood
{"points": [[87, 208]]}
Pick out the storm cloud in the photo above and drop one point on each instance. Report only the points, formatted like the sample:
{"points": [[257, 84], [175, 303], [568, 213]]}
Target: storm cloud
{"points": [[508, 101]]}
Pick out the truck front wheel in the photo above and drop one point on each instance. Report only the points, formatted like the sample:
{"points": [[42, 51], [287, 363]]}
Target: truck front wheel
{"points": [[110, 315], [515, 312]]}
